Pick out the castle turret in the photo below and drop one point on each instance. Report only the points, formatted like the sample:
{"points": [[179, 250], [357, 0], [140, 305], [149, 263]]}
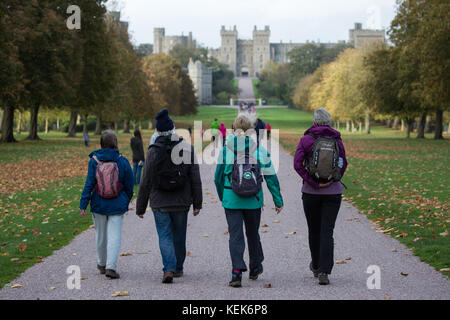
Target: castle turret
{"points": [[261, 49], [158, 40], [228, 49]]}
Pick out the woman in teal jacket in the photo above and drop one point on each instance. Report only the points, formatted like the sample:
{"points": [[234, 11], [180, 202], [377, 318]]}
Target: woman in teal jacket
{"points": [[242, 210]]}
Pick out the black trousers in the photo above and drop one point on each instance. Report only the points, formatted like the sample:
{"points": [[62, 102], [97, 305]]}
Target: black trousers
{"points": [[251, 218], [321, 212]]}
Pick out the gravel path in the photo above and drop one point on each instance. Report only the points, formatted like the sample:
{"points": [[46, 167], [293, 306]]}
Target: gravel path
{"points": [[207, 268]]}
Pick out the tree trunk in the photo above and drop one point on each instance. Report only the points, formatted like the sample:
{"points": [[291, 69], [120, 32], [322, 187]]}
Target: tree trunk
{"points": [[367, 124], [46, 124], [403, 125], [98, 126], [150, 124], [126, 126], [19, 124], [389, 123], [134, 125], [338, 125], [438, 130], [57, 124], [409, 127], [140, 125], [33, 135], [395, 124], [8, 124], [116, 126], [347, 126], [428, 125], [421, 126], [85, 122], [73, 124], [360, 127]]}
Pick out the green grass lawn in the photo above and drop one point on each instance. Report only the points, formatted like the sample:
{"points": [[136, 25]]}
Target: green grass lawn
{"points": [[400, 184]]}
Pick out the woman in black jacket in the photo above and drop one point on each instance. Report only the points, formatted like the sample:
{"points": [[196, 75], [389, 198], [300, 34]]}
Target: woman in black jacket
{"points": [[138, 155]]}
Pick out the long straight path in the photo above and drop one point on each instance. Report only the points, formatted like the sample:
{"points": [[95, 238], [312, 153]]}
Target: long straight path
{"points": [[208, 266]]}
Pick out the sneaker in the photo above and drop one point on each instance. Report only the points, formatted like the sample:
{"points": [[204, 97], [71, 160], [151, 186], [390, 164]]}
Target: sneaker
{"points": [[314, 271], [255, 272], [178, 274], [102, 269], [323, 279], [236, 279], [168, 277], [112, 274]]}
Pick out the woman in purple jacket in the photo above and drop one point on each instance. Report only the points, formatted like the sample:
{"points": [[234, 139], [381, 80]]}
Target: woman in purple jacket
{"points": [[321, 201]]}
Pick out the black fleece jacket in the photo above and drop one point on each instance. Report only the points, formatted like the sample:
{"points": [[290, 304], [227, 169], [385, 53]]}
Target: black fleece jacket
{"points": [[191, 194]]}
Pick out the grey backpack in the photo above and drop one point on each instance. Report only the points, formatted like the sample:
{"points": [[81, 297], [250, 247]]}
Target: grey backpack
{"points": [[246, 179], [323, 165]]}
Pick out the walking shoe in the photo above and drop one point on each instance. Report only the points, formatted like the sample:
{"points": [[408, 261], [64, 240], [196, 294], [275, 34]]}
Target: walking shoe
{"points": [[102, 269], [168, 277], [255, 272], [112, 274], [178, 274], [314, 271], [236, 279], [323, 279]]}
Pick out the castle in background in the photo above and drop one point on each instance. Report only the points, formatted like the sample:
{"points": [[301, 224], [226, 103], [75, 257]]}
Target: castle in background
{"points": [[164, 44], [248, 57], [201, 77]]}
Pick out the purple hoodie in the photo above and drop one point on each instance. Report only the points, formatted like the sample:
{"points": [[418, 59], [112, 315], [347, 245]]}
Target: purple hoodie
{"points": [[304, 149]]}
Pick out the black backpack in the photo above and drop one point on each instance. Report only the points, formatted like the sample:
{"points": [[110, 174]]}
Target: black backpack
{"points": [[323, 164], [168, 176], [246, 179]]}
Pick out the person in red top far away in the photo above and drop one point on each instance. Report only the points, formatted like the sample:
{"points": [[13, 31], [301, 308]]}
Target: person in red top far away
{"points": [[268, 128], [321, 201]]}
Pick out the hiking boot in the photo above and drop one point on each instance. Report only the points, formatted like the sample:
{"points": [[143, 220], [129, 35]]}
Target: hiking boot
{"points": [[255, 272], [112, 274], [178, 274], [236, 279], [323, 278], [167, 277], [102, 269], [314, 271]]}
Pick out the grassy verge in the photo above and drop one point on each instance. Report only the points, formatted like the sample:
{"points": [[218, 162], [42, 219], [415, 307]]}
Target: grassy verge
{"points": [[255, 83]]}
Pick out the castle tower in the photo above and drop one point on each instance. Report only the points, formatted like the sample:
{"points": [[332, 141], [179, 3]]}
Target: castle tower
{"points": [[158, 40], [228, 49], [261, 49], [360, 37]]}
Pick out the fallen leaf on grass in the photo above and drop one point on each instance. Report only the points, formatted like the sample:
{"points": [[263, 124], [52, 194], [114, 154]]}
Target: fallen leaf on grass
{"points": [[267, 285], [349, 258], [16, 285], [52, 288], [188, 254], [394, 250], [120, 294], [4, 254], [23, 247], [445, 270], [14, 259], [126, 254], [444, 234], [276, 221], [206, 235], [404, 274]]}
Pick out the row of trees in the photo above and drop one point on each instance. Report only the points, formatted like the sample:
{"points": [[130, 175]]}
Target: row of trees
{"points": [[408, 81], [278, 80], [91, 71]]}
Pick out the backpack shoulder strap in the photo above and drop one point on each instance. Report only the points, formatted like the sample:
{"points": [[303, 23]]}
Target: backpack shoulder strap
{"points": [[96, 159], [312, 135]]}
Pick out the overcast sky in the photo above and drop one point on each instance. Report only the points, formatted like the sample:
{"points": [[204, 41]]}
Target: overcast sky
{"points": [[289, 20]]}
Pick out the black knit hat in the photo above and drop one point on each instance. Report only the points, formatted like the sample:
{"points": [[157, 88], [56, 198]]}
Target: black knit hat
{"points": [[163, 121]]}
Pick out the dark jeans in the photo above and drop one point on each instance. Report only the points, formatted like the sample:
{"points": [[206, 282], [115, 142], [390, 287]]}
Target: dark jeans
{"points": [[236, 218], [321, 212], [171, 228], [137, 173]]}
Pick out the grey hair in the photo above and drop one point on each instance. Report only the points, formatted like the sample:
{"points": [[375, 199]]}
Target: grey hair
{"points": [[322, 117], [109, 140]]}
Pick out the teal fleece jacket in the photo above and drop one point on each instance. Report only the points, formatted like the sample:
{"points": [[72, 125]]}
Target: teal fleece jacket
{"points": [[229, 199]]}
